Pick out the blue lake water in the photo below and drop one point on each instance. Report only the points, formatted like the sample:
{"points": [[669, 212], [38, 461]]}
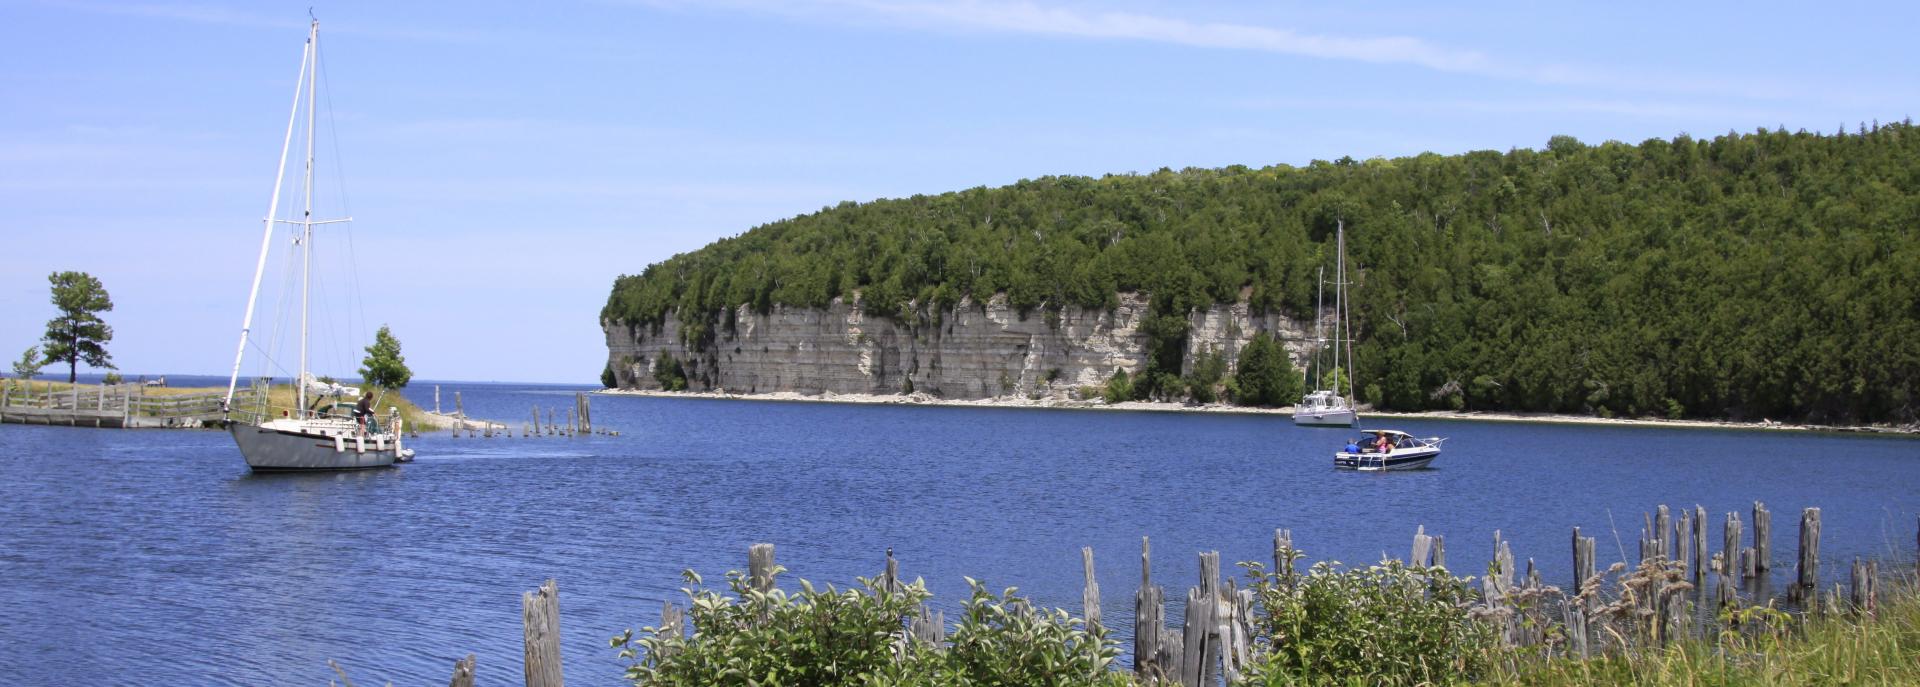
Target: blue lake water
{"points": [[154, 557]]}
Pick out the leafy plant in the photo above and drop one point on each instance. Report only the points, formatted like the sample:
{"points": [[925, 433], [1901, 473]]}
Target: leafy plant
{"points": [[384, 366], [29, 364], [78, 334], [1388, 624]]}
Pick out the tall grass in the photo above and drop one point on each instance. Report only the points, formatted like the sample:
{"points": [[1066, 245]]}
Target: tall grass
{"points": [[1838, 648]]}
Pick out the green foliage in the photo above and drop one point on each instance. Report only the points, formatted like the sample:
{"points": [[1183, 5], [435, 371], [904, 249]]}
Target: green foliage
{"points": [[111, 378], [833, 636], [29, 364], [670, 374], [1769, 274], [1265, 376], [1002, 640], [1209, 367], [1119, 387], [1384, 625], [816, 637], [607, 379], [384, 366], [78, 334]]}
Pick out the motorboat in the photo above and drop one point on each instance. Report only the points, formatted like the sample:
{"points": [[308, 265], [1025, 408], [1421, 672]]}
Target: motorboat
{"points": [[1401, 452]]}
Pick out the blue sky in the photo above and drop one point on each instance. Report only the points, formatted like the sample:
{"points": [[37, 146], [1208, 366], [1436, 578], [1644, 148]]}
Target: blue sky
{"points": [[504, 161]]}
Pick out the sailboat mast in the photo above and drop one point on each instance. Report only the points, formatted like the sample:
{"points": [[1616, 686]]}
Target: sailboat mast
{"points": [[1319, 329], [266, 234], [1346, 315], [306, 220]]}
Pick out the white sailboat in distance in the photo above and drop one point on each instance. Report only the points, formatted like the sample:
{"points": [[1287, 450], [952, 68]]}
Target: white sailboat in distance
{"points": [[1326, 407], [303, 438]]}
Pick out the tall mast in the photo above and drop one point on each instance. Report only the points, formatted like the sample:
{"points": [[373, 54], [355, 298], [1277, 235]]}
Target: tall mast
{"points": [[1319, 329], [1346, 324], [306, 219], [266, 234]]}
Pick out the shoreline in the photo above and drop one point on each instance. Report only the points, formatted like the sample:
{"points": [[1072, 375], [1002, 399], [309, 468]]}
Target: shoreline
{"points": [[920, 399]]}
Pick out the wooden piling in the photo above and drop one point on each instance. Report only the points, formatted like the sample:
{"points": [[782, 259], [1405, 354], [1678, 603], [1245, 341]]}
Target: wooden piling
{"points": [[1683, 539], [1663, 532], [1422, 548], [436, 399], [1730, 545], [1583, 563], [1283, 555], [1807, 578], [760, 566], [1090, 593], [1149, 623], [462, 672], [1439, 551], [1700, 543], [540, 613], [1762, 538]]}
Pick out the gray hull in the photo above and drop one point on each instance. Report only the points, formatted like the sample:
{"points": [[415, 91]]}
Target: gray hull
{"points": [[272, 450], [1342, 417]]}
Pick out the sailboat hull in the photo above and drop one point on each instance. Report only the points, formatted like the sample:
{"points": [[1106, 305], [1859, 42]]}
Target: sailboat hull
{"points": [[269, 449], [1324, 418]]}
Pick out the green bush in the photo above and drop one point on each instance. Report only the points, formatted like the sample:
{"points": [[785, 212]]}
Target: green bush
{"points": [[668, 372], [816, 637], [1002, 640], [1119, 387], [1388, 624]]}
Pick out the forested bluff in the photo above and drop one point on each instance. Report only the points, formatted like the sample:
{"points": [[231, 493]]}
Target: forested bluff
{"points": [[1760, 275]]}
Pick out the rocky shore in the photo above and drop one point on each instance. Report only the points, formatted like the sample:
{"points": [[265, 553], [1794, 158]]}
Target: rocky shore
{"points": [[1375, 417]]}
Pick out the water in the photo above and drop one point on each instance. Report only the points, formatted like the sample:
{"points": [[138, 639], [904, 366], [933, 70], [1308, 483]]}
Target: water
{"points": [[155, 557]]}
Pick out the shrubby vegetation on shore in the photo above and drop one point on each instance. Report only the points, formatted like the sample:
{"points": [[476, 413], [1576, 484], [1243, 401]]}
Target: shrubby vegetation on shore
{"points": [[1387, 624], [1761, 275]]}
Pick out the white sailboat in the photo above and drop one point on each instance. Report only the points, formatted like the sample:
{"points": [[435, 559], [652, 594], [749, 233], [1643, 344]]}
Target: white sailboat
{"points": [[1326, 407], [303, 438]]}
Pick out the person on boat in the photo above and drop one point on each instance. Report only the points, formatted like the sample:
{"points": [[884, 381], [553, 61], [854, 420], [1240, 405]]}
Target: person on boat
{"points": [[1353, 446], [1383, 444], [363, 411]]}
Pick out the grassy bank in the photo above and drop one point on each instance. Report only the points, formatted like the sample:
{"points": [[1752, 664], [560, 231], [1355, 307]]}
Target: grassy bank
{"points": [[280, 398]]}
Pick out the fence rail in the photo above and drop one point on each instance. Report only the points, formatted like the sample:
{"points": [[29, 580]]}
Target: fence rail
{"points": [[118, 405]]}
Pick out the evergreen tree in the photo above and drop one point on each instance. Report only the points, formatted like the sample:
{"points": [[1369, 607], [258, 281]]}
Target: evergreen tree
{"points": [[78, 334], [1265, 377], [29, 364], [384, 367]]}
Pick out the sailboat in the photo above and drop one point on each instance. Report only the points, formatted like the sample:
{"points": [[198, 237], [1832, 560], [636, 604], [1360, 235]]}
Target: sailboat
{"points": [[303, 438], [1326, 407]]}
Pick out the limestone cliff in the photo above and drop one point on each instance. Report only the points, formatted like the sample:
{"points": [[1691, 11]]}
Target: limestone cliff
{"points": [[974, 350]]}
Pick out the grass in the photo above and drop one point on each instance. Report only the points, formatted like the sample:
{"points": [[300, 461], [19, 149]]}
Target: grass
{"points": [[1833, 649]]}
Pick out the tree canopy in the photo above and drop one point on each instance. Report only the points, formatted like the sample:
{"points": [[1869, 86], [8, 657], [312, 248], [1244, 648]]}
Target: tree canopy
{"points": [[1769, 274], [78, 334], [384, 366]]}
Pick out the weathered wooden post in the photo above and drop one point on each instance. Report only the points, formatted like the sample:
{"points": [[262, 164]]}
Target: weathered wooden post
{"points": [[1090, 593], [1663, 532], [760, 566], [1422, 548], [1683, 538], [540, 613], [1700, 544], [1283, 555], [459, 409], [436, 399], [551, 427], [1807, 580], [1149, 622], [890, 580], [1762, 537], [462, 672], [1200, 646], [536, 420], [1439, 551], [1582, 560], [1730, 544]]}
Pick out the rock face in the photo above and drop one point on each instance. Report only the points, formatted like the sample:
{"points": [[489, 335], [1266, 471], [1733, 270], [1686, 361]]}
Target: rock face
{"points": [[974, 350]]}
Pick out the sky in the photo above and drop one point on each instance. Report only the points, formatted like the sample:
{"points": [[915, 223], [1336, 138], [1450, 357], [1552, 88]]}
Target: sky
{"points": [[505, 161]]}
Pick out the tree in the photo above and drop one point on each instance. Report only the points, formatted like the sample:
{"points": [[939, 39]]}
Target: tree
{"points": [[384, 366], [607, 379], [29, 365], [78, 334], [1265, 377]]}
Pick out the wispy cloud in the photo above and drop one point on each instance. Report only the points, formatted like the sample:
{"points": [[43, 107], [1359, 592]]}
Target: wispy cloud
{"points": [[1025, 17]]}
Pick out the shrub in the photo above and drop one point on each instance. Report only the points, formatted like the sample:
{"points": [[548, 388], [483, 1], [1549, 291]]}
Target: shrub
{"points": [[1388, 624]]}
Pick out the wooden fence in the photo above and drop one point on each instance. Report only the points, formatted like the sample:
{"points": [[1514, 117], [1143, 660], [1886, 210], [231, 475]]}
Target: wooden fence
{"points": [[118, 405], [1216, 637]]}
